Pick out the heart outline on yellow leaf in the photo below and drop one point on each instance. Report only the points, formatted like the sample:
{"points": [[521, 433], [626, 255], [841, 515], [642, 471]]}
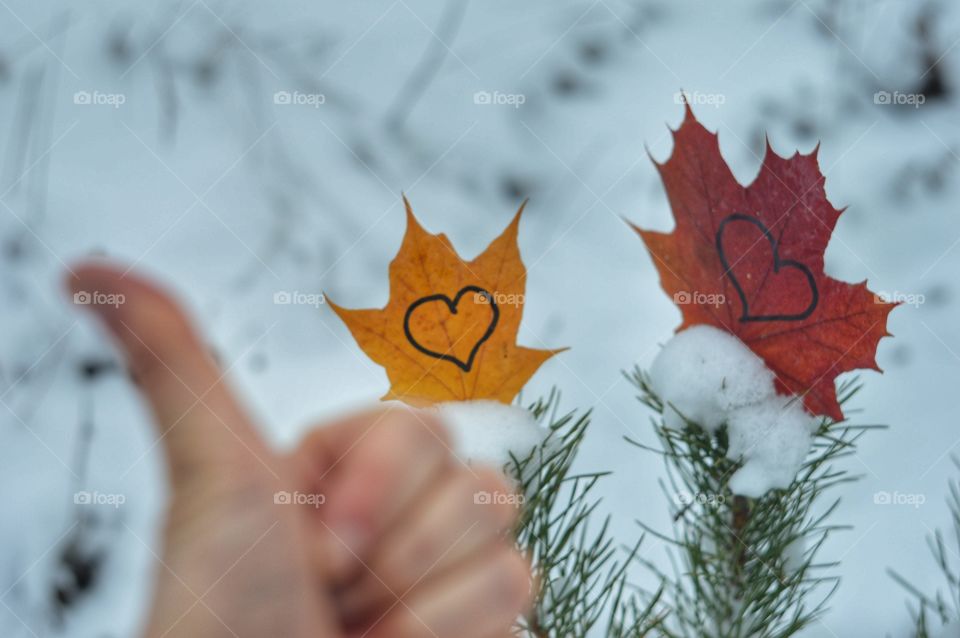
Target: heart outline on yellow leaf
{"points": [[449, 329]]}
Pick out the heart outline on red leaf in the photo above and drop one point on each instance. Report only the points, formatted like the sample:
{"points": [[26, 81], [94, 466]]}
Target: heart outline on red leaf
{"points": [[788, 198], [778, 263]]}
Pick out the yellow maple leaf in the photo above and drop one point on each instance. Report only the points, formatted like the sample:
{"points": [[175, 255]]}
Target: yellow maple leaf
{"points": [[449, 330]]}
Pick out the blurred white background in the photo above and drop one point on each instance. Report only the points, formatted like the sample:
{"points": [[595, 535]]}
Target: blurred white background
{"points": [[241, 149]]}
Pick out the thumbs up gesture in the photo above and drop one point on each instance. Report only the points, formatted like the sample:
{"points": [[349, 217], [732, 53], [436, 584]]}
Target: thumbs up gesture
{"points": [[371, 527]]}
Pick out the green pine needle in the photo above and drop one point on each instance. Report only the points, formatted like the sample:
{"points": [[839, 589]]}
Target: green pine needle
{"points": [[581, 570], [744, 567]]}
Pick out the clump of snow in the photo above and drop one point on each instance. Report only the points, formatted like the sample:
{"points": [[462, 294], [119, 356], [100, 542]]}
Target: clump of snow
{"points": [[488, 432], [705, 373], [709, 377], [772, 437]]}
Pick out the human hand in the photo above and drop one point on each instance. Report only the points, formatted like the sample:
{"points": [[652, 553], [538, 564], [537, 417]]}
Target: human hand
{"points": [[399, 548]]}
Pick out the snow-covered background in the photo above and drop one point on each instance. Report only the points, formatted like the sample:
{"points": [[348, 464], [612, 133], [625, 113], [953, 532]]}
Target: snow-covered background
{"points": [[242, 149]]}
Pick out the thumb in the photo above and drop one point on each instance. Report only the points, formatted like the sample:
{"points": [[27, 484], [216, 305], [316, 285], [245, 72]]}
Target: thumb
{"points": [[197, 418]]}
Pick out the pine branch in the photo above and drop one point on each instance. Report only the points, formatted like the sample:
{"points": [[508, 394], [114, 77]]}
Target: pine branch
{"points": [[945, 607], [582, 581], [747, 566]]}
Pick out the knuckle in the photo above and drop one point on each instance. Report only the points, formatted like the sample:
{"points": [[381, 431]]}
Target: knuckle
{"points": [[163, 318], [512, 583], [157, 335], [425, 549], [433, 425], [497, 497], [494, 481], [421, 429]]}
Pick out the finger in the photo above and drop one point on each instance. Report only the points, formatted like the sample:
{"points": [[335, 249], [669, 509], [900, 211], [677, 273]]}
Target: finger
{"points": [[484, 600], [390, 459], [316, 459], [459, 519], [318, 453], [195, 414]]}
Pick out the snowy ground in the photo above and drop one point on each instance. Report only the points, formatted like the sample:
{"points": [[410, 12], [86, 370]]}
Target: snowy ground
{"points": [[206, 178]]}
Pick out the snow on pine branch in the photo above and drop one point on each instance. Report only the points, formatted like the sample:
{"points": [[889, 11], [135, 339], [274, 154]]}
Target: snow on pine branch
{"points": [[709, 377], [490, 432]]}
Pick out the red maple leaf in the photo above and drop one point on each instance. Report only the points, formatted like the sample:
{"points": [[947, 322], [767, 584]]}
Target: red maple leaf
{"points": [[749, 260]]}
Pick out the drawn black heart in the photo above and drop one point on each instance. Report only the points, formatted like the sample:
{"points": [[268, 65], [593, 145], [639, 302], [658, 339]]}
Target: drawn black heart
{"points": [[452, 306], [777, 265]]}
